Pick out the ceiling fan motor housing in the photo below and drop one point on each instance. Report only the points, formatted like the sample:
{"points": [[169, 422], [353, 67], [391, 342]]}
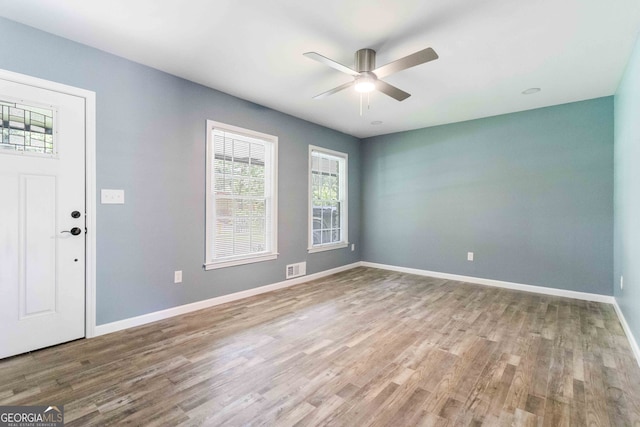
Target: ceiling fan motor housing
{"points": [[365, 60]]}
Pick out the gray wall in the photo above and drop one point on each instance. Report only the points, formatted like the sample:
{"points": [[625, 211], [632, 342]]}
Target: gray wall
{"points": [[530, 193], [151, 143], [627, 193]]}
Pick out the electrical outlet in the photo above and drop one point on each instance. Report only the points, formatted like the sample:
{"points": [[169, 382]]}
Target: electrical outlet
{"points": [[621, 282], [469, 256], [353, 247], [177, 276]]}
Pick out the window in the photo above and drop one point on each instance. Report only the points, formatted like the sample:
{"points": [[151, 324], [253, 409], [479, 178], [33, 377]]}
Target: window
{"points": [[241, 217], [26, 129], [327, 199]]}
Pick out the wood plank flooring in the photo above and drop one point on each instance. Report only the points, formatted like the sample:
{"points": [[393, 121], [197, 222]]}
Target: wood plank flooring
{"points": [[363, 347]]}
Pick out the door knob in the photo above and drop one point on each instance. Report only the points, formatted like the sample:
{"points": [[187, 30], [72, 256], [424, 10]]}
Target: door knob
{"points": [[75, 231]]}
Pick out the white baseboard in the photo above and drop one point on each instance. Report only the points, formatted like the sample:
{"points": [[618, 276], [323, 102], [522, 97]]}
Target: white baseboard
{"points": [[627, 330], [497, 283], [187, 308], [119, 325], [520, 287], [528, 288]]}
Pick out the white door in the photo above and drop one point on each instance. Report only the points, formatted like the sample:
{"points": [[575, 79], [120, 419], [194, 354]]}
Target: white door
{"points": [[42, 199]]}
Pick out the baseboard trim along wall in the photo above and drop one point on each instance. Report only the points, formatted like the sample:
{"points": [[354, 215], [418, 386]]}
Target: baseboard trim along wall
{"points": [[627, 331], [497, 283], [187, 308], [119, 325], [521, 287]]}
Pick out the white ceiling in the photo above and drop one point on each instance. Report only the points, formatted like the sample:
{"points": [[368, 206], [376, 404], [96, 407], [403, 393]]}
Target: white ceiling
{"points": [[490, 50]]}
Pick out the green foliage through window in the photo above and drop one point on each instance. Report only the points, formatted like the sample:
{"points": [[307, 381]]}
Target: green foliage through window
{"points": [[327, 198], [241, 199]]}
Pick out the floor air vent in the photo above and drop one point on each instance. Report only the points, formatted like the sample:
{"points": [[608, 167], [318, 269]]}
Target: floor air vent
{"points": [[295, 270]]}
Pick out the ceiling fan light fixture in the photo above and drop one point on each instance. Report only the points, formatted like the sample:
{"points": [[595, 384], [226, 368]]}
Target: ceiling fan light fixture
{"points": [[367, 76], [365, 85]]}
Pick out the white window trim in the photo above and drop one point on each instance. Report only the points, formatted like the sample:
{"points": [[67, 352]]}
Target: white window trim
{"points": [[344, 218], [273, 236], [327, 247]]}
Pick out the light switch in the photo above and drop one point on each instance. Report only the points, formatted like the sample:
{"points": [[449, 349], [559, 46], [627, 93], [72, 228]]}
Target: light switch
{"points": [[112, 197]]}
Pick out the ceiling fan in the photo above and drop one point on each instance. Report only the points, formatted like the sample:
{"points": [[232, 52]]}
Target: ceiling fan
{"points": [[367, 76]]}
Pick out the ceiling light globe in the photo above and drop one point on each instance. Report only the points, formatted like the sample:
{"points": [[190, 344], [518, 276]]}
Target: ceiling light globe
{"points": [[365, 85]]}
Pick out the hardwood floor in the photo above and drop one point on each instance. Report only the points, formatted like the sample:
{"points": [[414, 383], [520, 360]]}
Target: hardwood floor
{"points": [[363, 347]]}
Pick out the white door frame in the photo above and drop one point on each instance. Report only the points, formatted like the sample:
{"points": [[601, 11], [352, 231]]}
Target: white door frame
{"points": [[90, 182]]}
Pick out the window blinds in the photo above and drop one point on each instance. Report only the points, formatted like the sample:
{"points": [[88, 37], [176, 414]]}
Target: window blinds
{"points": [[241, 194]]}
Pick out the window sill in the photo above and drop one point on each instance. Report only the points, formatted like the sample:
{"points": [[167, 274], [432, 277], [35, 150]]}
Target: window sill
{"points": [[327, 247], [240, 261]]}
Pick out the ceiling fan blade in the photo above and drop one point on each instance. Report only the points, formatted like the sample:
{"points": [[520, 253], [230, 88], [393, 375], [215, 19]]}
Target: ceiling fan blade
{"points": [[420, 57], [331, 63], [392, 91], [334, 90]]}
